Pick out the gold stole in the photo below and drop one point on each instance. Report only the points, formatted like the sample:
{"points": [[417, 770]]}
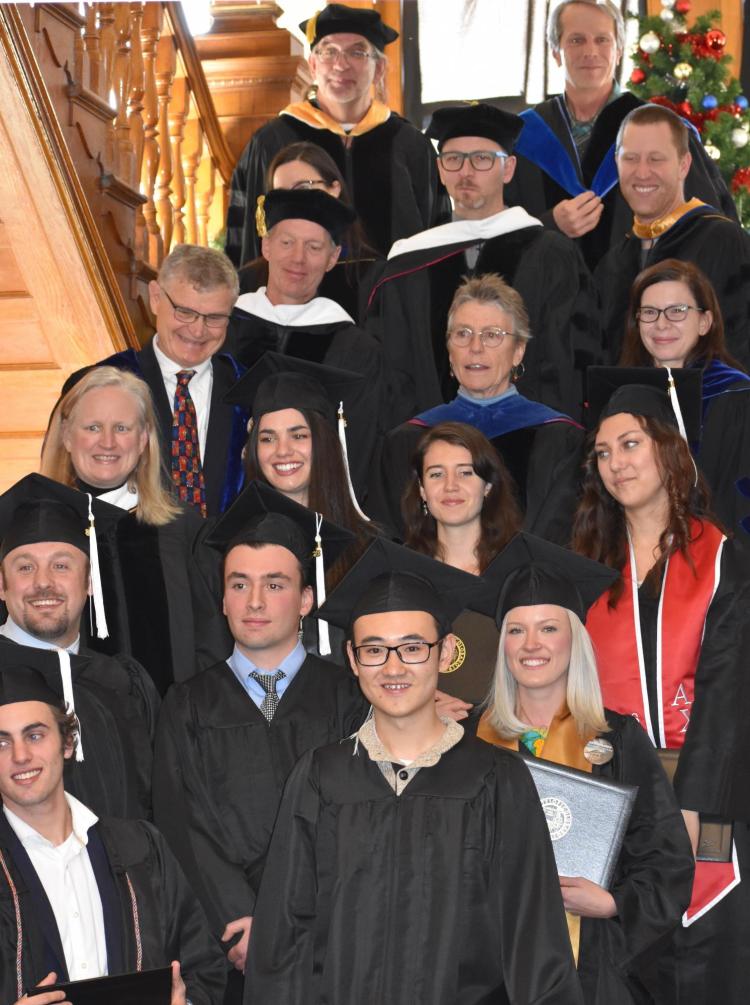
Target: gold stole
{"points": [[650, 231], [563, 745], [377, 114]]}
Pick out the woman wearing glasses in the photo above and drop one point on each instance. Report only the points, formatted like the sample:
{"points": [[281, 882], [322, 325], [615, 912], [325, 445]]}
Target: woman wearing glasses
{"points": [[674, 320], [308, 166], [671, 637], [488, 331]]}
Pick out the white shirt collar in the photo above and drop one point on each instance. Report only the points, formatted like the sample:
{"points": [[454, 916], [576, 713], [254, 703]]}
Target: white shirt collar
{"points": [[318, 311], [83, 819], [168, 366], [123, 497], [14, 632], [458, 231]]}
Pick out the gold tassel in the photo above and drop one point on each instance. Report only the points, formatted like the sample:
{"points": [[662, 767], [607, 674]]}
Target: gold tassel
{"points": [[312, 25], [260, 217]]}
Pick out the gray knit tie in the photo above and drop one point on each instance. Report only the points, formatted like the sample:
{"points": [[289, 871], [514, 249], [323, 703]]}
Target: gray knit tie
{"points": [[268, 682]]}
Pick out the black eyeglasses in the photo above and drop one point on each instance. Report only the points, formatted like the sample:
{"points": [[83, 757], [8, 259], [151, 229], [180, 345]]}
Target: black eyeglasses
{"points": [[480, 160], [375, 655], [188, 316], [674, 312]]}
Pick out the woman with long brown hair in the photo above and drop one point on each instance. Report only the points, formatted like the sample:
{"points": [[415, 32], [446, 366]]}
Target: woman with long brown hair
{"points": [[674, 319], [669, 638], [460, 508]]}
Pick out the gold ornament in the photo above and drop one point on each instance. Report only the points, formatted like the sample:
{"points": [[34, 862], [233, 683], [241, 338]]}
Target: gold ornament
{"points": [[739, 137], [713, 152], [260, 217], [682, 71]]}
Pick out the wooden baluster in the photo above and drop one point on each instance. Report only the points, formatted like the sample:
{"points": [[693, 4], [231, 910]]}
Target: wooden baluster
{"points": [[166, 65], [153, 14], [122, 159], [79, 55], [178, 110], [91, 40], [107, 42], [192, 151], [135, 98], [206, 186]]}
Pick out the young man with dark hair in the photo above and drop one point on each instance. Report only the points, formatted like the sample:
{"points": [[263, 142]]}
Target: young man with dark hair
{"points": [[410, 863]]}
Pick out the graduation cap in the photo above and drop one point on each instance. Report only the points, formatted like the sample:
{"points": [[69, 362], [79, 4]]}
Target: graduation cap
{"points": [[37, 509], [277, 381], [672, 395], [319, 207], [261, 515], [29, 674], [336, 18], [476, 119], [531, 571], [389, 577]]}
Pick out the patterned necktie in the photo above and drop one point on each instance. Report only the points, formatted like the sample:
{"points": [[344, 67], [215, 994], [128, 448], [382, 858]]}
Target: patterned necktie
{"points": [[268, 682], [187, 472]]}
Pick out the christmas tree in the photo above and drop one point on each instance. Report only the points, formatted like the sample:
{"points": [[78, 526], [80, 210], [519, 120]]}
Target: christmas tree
{"points": [[686, 68]]}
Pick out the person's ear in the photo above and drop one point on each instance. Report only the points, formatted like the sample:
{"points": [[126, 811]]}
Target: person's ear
{"points": [[706, 322], [447, 648], [307, 601], [352, 661], [154, 295]]}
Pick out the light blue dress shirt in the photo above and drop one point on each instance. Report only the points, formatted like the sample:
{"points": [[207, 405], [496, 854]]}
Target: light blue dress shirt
{"points": [[242, 667]]}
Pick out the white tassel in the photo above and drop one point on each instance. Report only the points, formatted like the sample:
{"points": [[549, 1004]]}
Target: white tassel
{"points": [[67, 685], [675, 402], [324, 641], [102, 632], [345, 452]]}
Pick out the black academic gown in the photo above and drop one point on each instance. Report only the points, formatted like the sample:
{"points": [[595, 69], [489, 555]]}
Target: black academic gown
{"points": [[171, 922], [717, 245], [549, 170], [445, 895], [408, 313], [541, 449], [220, 768], [154, 601], [337, 343], [117, 706], [390, 172], [222, 461]]}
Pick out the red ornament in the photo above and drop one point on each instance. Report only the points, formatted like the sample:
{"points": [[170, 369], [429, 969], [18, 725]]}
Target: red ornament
{"points": [[716, 40], [682, 6], [637, 76], [740, 180], [685, 109]]}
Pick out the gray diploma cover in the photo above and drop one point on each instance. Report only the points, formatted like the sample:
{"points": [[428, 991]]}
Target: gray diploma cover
{"points": [[587, 818]]}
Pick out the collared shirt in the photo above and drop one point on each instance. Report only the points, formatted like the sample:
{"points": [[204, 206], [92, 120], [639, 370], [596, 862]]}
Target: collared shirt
{"points": [[399, 774], [14, 632], [242, 667], [68, 879], [200, 387], [581, 131]]}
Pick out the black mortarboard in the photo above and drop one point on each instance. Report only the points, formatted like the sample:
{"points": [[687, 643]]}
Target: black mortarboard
{"points": [[337, 19], [277, 381], [645, 390], [319, 207], [389, 577], [530, 571], [478, 119], [38, 509], [265, 516]]}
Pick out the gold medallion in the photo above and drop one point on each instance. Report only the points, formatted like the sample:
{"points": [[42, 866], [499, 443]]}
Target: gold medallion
{"points": [[459, 655]]}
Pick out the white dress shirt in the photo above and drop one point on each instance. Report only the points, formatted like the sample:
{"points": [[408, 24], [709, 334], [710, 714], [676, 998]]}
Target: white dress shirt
{"points": [[14, 632], [68, 879], [200, 387]]}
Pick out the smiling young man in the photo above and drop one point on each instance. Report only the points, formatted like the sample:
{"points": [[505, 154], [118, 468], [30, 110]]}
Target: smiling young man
{"points": [[45, 584], [86, 897], [410, 863], [653, 164], [409, 304], [566, 172], [388, 164], [228, 738]]}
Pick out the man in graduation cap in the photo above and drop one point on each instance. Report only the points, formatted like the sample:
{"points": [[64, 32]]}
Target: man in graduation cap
{"points": [[228, 738], [301, 242], [83, 897], [48, 568], [566, 173], [408, 306], [653, 161], [411, 862], [388, 164]]}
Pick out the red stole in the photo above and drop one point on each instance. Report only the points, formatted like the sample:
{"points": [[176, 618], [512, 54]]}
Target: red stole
{"points": [[616, 634]]}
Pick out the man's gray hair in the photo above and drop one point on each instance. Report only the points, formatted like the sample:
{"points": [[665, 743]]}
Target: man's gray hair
{"points": [[608, 6], [203, 268]]}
